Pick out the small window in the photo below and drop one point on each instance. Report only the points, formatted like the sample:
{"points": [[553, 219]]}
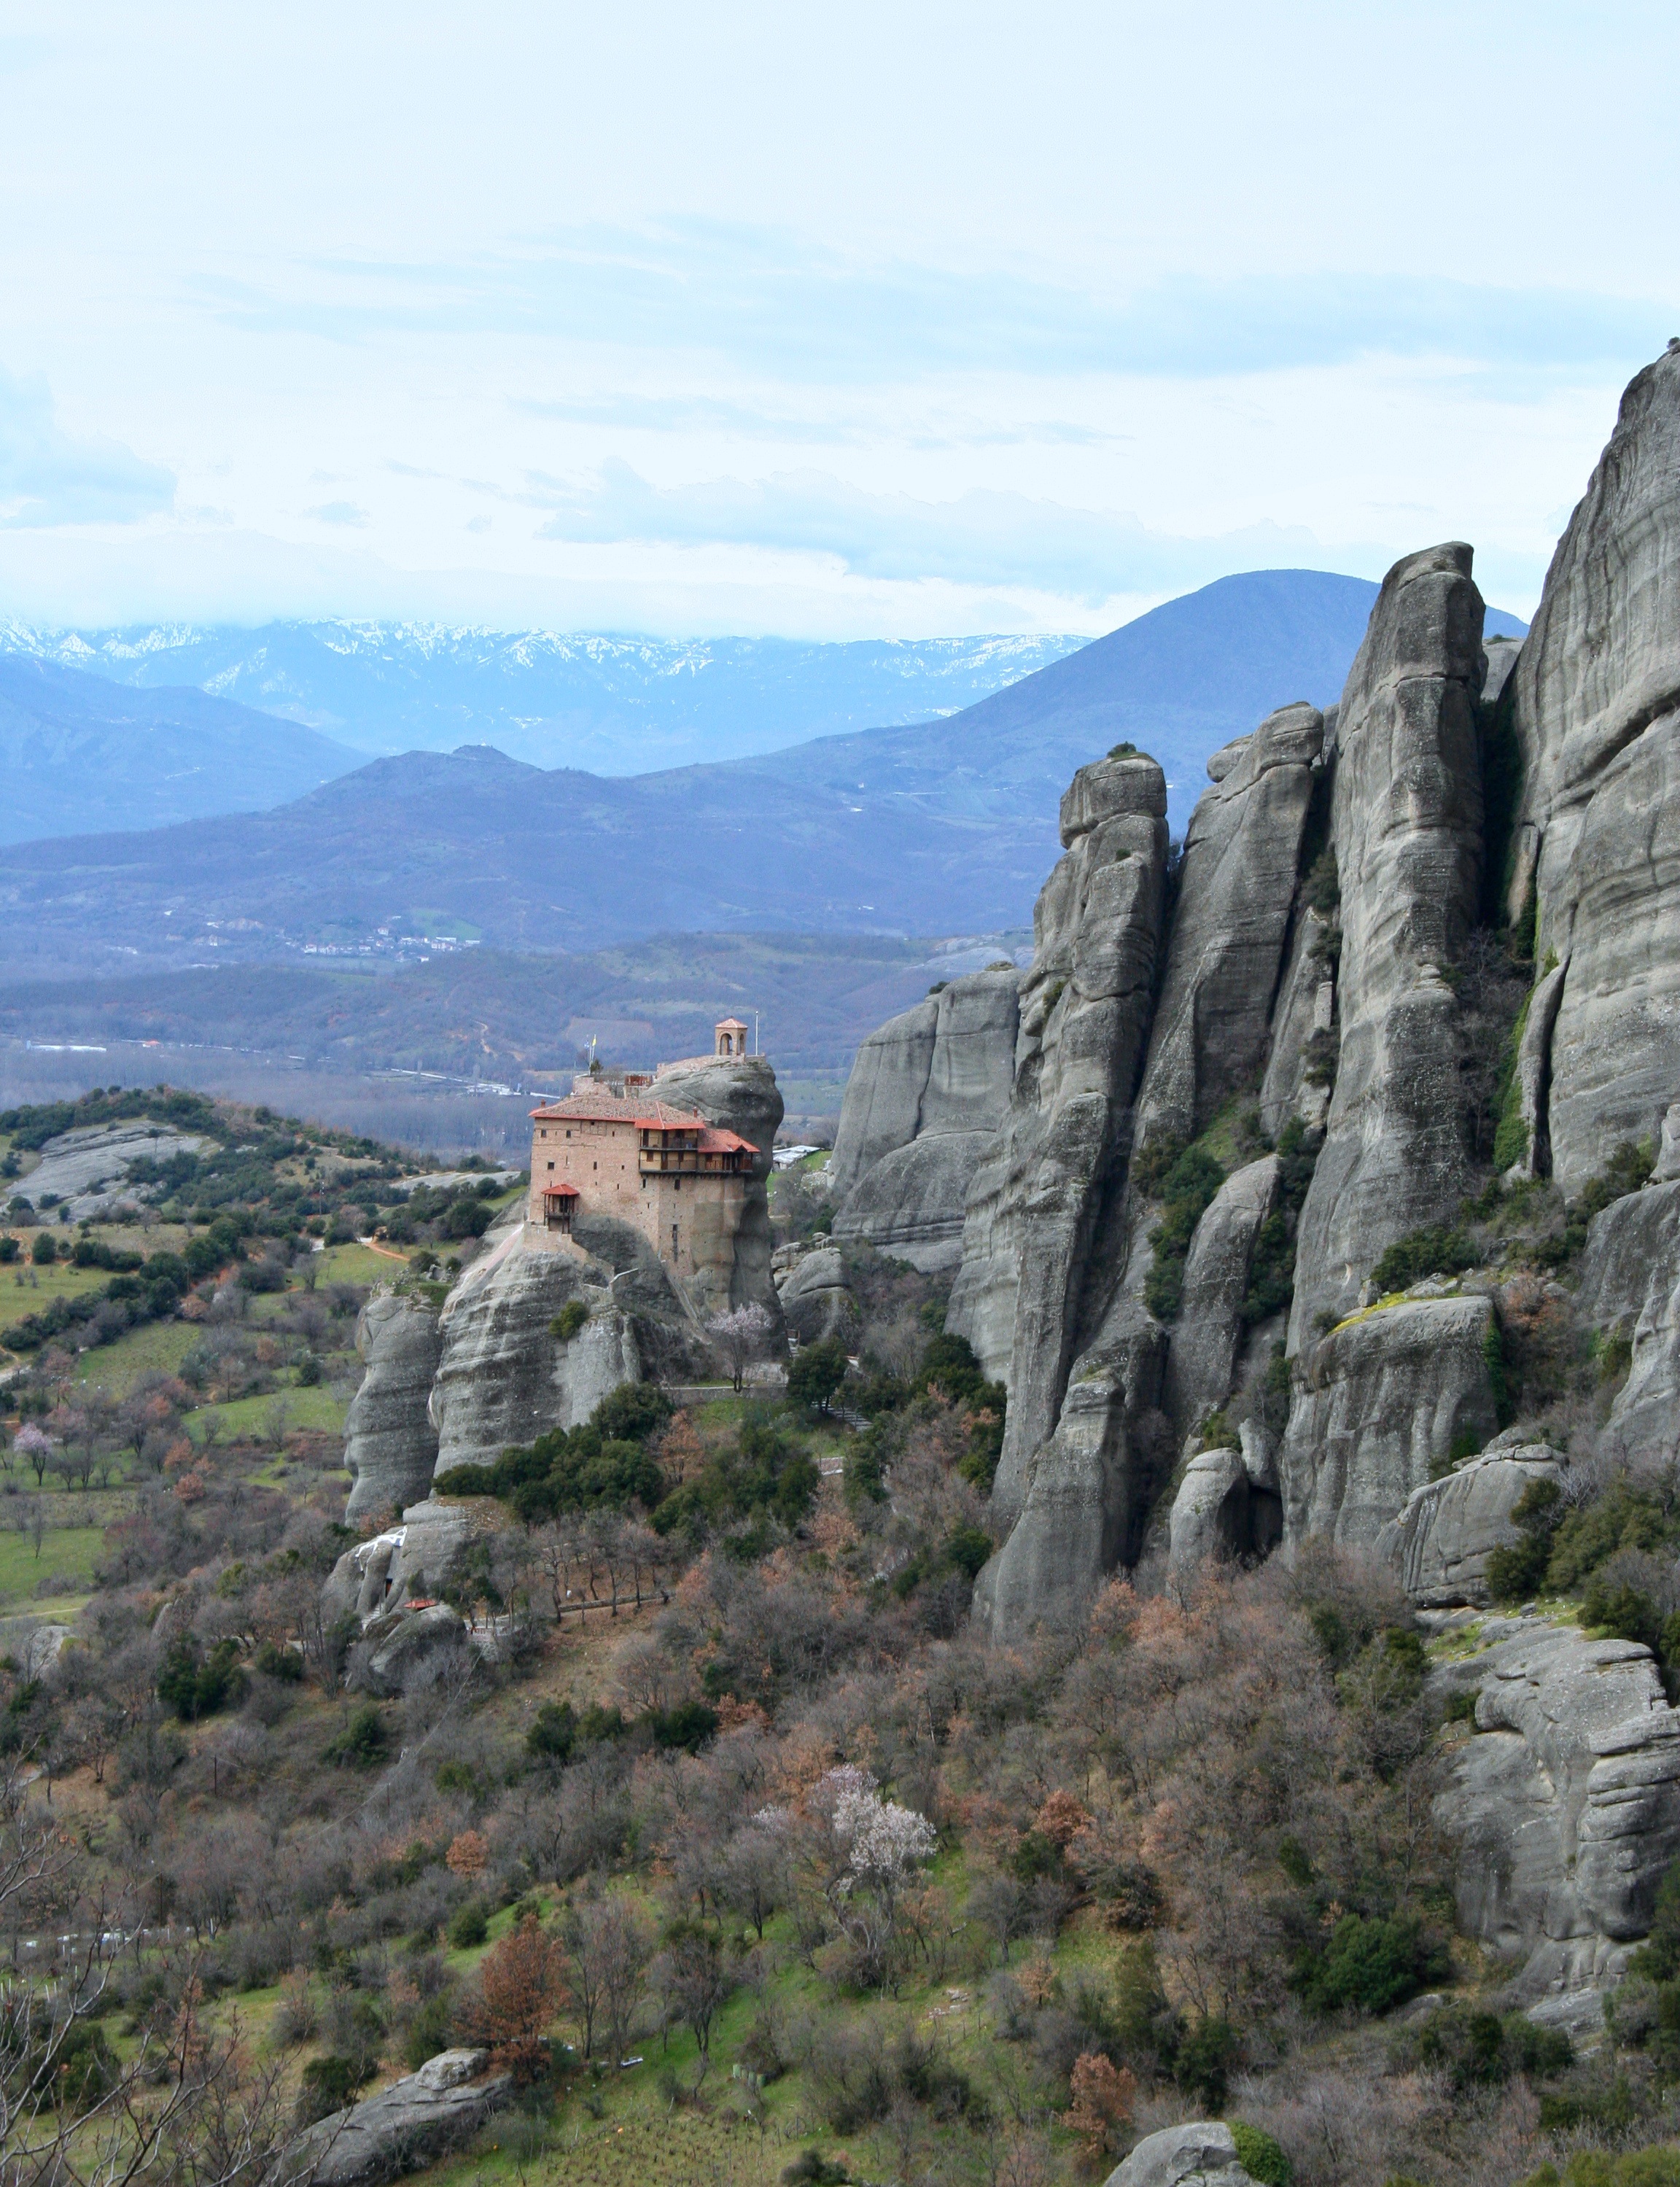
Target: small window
{"points": [[551, 1164]]}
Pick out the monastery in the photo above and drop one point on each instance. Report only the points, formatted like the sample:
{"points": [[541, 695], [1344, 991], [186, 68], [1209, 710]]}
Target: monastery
{"points": [[612, 1148]]}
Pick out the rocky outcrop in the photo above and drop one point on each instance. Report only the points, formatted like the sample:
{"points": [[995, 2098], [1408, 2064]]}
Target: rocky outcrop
{"points": [[1237, 887], [1203, 2154], [389, 1443], [1594, 704], [1028, 1274], [1343, 1012], [416, 1558], [1210, 1519], [403, 2128], [1566, 1803], [1085, 1492], [817, 1302], [503, 1375], [1306, 1004], [1534, 1076], [397, 1644], [1208, 1335], [382, 1593], [1405, 824], [1630, 1285], [1439, 1543], [737, 1095], [926, 1096], [86, 1170], [1383, 1401]]}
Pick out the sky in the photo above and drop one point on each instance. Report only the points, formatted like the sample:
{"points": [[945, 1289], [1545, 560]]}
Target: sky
{"points": [[874, 321]]}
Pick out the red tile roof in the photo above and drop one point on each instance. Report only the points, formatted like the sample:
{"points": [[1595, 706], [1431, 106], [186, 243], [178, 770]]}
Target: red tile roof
{"points": [[619, 1109], [646, 1115], [561, 1192]]}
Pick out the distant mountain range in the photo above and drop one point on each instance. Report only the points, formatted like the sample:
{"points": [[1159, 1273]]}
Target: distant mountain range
{"points": [[78, 754], [611, 705], [945, 828]]}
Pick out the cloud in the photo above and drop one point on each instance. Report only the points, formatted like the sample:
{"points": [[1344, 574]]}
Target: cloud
{"points": [[338, 512], [48, 478], [763, 422], [783, 304], [980, 538]]}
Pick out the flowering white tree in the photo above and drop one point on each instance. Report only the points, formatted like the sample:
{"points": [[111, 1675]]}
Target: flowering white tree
{"points": [[878, 1845], [35, 1446], [740, 1335]]}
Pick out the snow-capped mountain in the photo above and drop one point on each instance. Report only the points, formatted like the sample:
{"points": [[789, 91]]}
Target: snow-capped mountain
{"points": [[613, 705]]}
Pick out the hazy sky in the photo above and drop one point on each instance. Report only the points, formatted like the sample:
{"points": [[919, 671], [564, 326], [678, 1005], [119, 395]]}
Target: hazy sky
{"points": [[874, 320]]}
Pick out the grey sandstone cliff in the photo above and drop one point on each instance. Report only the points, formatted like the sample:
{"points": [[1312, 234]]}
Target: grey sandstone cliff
{"points": [[1242, 857], [1630, 1285], [1567, 1802], [1406, 825], [1040, 1238], [924, 1098], [817, 1302], [1210, 1519], [1594, 707], [1449, 780], [390, 1445], [1207, 1337], [1035, 1201], [1383, 1400], [503, 1376], [1439, 1545]]}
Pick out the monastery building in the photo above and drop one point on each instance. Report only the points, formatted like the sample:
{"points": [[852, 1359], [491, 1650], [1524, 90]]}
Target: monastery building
{"points": [[612, 1148]]}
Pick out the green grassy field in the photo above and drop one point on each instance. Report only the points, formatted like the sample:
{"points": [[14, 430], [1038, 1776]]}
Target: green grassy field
{"points": [[316, 1409], [358, 1264], [158, 1348], [25, 1289], [67, 1553]]}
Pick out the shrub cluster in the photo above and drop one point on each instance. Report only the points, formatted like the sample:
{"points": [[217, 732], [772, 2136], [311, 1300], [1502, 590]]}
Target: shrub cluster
{"points": [[606, 1462], [1186, 1183]]}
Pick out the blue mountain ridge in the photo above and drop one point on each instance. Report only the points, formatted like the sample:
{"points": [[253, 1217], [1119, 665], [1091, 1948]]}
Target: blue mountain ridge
{"points": [[940, 828]]}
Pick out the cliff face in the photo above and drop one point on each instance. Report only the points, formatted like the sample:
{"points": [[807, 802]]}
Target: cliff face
{"points": [[503, 1375], [1037, 1242], [1328, 998], [1303, 976], [1594, 707], [926, 1094], [1242, 855], [1405, 827], [389, 1443]]}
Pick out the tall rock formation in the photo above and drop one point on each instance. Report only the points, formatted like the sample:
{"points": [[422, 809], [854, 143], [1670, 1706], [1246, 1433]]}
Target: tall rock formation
{"points": [[1030, 1276], [1594, 706], [1406, 827], [925, 1097], [504, 1375], [1236, 890], [389, 1443], [1327, 997], [739, 1094]]}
